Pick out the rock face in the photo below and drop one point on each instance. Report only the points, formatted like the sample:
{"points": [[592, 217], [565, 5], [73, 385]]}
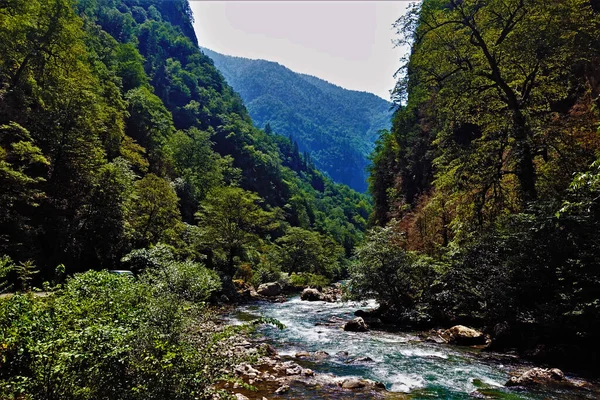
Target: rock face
{"points": [[463, 336], [539, 377], [356, 325], [269, 289], [310, 294]]}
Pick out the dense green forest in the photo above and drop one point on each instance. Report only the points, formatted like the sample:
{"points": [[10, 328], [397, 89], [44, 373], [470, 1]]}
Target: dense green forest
{"points": [[486, 188], [336, 126], [118, 133], [121, 146]]}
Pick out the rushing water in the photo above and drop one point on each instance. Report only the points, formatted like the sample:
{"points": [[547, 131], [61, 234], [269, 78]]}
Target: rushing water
{"points": [[403, 362]]}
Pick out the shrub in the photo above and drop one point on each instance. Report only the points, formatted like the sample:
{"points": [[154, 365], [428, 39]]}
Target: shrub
{"points": [[305, 279], [104, 336]]}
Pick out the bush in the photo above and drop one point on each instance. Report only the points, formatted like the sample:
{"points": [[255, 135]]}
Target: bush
{"points": [[187, 279], [305, 279], [388, 273], [104, 336]]}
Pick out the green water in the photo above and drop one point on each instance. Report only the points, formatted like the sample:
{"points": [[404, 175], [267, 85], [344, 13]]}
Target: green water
{"points": [[405, 364]]}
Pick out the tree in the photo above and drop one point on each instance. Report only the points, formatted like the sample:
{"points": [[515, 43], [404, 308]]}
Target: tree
{"points": [[306, 251], [152, 214], [496, 70], [232, 219], [197, 165], [383, 269], [150, 124]]}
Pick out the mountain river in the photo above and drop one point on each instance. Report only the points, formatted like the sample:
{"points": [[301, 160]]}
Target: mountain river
{"points": [[409, 367]]}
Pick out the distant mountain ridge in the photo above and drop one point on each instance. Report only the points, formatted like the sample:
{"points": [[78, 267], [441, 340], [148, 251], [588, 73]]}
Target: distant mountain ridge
{"points": [[336, 126]]}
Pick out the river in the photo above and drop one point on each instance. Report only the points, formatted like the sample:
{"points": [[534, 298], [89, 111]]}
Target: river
{"points": [[402, 361]]}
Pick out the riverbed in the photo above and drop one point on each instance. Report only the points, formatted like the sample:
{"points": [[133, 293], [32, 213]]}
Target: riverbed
{"points": [[408, 366]]}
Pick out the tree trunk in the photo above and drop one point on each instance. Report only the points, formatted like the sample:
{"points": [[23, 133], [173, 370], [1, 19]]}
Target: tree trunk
{"points": [[525, 170]]}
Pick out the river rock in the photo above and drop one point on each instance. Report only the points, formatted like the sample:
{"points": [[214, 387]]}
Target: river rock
{"points": [[269, 289], [463, 336], [360, 360], [310, 294], [539, 377], [356, 325], [353, 384], [317, 355], [282, 389], [297, 370], [239, 396]]}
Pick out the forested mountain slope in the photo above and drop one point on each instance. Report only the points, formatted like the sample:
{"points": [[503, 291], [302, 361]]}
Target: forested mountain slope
{"points": [[486, 188], [122, 146], [338, 127], [117, 133]]}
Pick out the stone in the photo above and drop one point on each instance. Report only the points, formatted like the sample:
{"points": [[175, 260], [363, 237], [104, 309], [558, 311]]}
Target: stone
{"points": [[310, 294], [282, 389], [240, 396], [320, 355], [297, 370], [356, 325], [353, 384], [435, 339], [362, 360], [463, 336], [539, 377], [308, 372], [269, 289], [302, 354]]}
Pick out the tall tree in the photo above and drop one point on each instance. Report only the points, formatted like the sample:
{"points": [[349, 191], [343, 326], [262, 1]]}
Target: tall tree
{"points": [[496, 70]]}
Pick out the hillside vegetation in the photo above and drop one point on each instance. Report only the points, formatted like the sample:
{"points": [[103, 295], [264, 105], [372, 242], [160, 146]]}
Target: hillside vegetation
{"points": [[486, 188], [336, 126], [121, 146]]}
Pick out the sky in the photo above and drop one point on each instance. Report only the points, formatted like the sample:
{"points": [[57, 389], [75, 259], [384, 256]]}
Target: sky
{"points": [[348, 43]]}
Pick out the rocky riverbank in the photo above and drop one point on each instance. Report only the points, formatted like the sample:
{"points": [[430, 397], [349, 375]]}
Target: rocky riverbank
{"points": [[270, 374]]}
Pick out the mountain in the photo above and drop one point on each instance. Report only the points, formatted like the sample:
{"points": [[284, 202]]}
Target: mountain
{"points": [[117, 133], [338, 127]]}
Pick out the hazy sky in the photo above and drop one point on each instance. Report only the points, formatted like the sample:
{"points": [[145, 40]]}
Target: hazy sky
{"points": [[348, 43]]}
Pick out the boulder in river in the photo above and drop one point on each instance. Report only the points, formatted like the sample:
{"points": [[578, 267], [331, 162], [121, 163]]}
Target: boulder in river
{"points": [[269, 289], [539, 377], [356, 325], [310, 294], [282, 389], [360, 360], [463, 336], [317, 355], [320, 355], [354, 383]]}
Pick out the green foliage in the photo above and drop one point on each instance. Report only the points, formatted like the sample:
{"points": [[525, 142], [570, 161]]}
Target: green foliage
{"points": [[387, 272], [305, 279], [160, 268], [105, 336], [6, 267], [305, 251], [152, 213], [232, 219], [25, 271], [337, 127], [495, 119]]}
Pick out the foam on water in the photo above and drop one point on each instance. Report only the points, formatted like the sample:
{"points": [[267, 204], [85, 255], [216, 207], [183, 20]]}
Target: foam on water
{"points": [[401, 361]]}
